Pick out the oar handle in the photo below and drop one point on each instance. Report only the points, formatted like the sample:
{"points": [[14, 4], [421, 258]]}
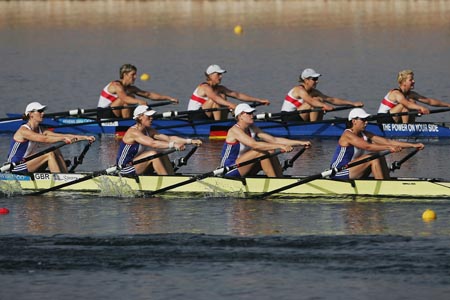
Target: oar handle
{"points": [[183, 160], [397, 164], [288, 163], [174, 114]]}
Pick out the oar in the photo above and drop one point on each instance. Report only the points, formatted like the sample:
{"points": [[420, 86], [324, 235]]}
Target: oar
{"points": [[182, 161], [397, 164], [95, 174], [216, 172], [9, 166], [79, 160], [268, 116], [288, 163], [406, 113], [174, 114], [324, 174], [79, 112]]}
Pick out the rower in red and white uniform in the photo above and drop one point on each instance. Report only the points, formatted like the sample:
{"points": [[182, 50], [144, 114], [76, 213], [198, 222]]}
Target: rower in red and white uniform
{"points": [[404, 99], [245, 141], [306, 96], [123, 92], [211, 94]]}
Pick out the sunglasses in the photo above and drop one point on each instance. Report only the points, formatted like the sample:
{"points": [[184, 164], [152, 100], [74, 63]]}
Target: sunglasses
{"points": [[39, 110], [362, 119], [314, 78], [248, 113]]}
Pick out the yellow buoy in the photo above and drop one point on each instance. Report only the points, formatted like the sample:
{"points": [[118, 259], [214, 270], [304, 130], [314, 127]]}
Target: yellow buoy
{"points": [[429, 215], [238, 29], [145, 77]]}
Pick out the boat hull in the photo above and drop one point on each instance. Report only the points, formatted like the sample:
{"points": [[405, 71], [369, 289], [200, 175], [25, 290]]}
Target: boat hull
{"points": [[415, 188], [217, 129]]}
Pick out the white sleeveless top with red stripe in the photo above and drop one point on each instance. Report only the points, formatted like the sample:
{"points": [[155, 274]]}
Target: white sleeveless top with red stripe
{"points": [[196, 101], [386, 104], [106, 98], [291, 103]]}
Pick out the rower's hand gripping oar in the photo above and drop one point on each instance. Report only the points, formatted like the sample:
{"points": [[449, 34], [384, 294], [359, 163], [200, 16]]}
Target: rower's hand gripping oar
{"points": [[79, 160], [108, 171], [289, 163], [9, 166], [324, 174], [182, 161], [397, 164], [217, 172]]}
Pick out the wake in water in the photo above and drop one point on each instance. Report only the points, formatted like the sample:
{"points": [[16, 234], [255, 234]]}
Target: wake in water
{"points": [[361, 254]]}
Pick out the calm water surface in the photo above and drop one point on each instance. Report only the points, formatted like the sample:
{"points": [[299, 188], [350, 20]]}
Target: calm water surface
{"points": [[62, 53]]}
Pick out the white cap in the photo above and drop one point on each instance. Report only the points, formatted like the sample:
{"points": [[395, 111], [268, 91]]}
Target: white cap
{"points": [[243, 107], [357, 113], [33, 106], [142, 109], [308, 73], [214, 69]]}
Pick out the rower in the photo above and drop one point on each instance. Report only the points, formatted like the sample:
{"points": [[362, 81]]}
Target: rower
{"points": [[212, 95], [142, 135], [123, 92], [403, 99], [245, 142], [306, 96], [26, 138], [356, 143]]}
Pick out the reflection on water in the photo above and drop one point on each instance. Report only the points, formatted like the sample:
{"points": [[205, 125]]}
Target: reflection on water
{"points": [[87, 214], [132, 14]]}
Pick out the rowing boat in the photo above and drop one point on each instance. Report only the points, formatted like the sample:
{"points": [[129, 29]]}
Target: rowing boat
{"points": [[219, 186], [217, 129]]}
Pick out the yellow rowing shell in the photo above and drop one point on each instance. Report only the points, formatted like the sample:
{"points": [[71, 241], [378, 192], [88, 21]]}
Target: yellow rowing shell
{"points": [[224, 186]]}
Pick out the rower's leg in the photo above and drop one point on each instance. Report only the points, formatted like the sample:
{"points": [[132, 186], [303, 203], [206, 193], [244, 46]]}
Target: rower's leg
{"points": [[272, 167], [306, 116], [377, 166], [208, 105], [60, 161], [54, 160], [399, 108]]}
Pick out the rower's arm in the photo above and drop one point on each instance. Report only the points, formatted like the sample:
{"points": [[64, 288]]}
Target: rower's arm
{"points": [[154, 96], [47, 137], [339, 101], [429, 101], [211, 94], [284, 141], [121, 93], [311, 100], [410, 105], [383, 141], [244, 97]]}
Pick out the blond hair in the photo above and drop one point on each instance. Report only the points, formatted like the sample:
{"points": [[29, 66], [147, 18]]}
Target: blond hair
{"points": [[402, 75], [126, 68]]}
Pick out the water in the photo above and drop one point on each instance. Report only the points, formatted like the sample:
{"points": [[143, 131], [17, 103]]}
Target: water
{"points": [[73, 246]]}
